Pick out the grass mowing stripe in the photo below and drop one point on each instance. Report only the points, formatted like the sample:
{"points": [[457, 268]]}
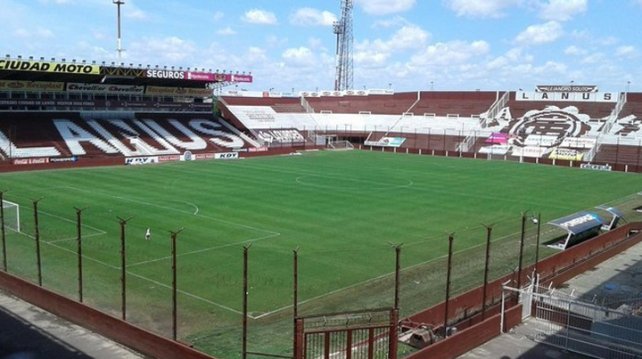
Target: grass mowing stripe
{"points": [[340, 209]]}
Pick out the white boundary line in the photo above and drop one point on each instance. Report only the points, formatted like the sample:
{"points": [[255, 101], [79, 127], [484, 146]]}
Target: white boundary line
{"points": [[202, 250], [176, 210], [145, 278], [266, 314]]}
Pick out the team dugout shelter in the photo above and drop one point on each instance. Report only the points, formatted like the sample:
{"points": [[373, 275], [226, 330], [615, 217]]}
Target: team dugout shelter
{"points": [[584, 225]]}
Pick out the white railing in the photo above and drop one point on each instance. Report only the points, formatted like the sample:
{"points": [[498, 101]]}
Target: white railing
{"points": [[306, 105], [495, 108], [405, 113]]}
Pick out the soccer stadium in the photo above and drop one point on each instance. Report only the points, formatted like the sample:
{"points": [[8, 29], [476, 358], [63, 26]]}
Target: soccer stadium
{"points": [[177, 215]]}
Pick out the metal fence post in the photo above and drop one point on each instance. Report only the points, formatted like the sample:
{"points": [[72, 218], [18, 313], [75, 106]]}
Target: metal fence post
{"points": [[2, 232], [123, 273], [37, 238], [450, 257]]}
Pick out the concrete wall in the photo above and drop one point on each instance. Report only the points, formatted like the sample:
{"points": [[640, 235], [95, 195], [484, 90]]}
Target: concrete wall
{"points": [[465, 308], [139, 339]]}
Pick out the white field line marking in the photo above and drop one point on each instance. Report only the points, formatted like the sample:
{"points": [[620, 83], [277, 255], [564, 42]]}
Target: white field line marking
{"points": [[74, 238], [433, 189], [145, 278], [193, 205], [252, 240], [375, 278], [176, 210], [71, 221]]}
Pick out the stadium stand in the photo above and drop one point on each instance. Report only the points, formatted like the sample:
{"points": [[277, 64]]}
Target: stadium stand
{"points": [[60, 112], [119, 112]]}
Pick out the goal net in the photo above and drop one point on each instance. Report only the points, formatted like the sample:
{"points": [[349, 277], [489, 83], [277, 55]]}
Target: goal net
{"points": [[11, 213], [340, 145]]}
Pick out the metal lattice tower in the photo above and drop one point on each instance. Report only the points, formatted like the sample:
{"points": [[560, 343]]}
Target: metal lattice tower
{"points": [[343, 29]]}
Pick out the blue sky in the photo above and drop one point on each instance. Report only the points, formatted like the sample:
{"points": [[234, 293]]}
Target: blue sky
{"points": [[404, 44]]}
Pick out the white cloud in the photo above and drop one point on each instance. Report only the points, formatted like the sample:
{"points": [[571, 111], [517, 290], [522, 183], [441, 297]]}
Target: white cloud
{"points": [[483, 9], [301, 56], [37, 33], [169, 50], [57, 2], [375, 53], [575, 51], [626, 51], [218, 16], [226, 31], [312, 17], [594, 58], [262, 17], [540, 34], [451, 53], [385, 7], [510, 58], [562, 10], [392, 22]]}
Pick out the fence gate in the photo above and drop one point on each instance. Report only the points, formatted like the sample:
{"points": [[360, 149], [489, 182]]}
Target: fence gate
{"points": [[355, 335]]}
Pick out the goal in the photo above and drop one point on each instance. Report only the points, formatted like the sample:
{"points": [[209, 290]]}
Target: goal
{"points": [[11, 213]]}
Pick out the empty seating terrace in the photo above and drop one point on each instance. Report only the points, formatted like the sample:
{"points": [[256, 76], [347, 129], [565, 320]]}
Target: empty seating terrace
{"points": [[35, 130], [376, 104], [278, 104], [464, 104], [594, 110], [633, 105], [622, 154]]}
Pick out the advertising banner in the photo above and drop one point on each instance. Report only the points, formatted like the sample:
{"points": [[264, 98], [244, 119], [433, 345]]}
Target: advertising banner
{"points": [[210, 77], [497, 138], [387, 142], [226, 156], [106, 89], [567, 96], [30, 161], [495, 149], [165, 74], [141, 160], [46, 86], [566, 154], [529, 151], [566, 88], [578, 142], [46, 66], [178, 91], [591, 166]]}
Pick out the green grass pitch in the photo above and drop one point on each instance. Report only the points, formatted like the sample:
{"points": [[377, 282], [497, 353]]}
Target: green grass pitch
{"points": [[342, 210]]}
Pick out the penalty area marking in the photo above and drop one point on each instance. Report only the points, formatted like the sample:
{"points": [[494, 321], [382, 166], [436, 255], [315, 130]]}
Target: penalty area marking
{"points": [[175, 210]]}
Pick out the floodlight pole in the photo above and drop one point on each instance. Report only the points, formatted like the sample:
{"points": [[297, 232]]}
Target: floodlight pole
{"points": [[174, 291], [79, 250], [521, 251], [123, 272], [539, 224], [489, 230], [244, 339], [2, 231], [451, 237], [37, 237], [119, 48]]}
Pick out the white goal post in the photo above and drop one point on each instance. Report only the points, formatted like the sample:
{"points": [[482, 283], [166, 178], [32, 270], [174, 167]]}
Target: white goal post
{"points": [[11, 213]]}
